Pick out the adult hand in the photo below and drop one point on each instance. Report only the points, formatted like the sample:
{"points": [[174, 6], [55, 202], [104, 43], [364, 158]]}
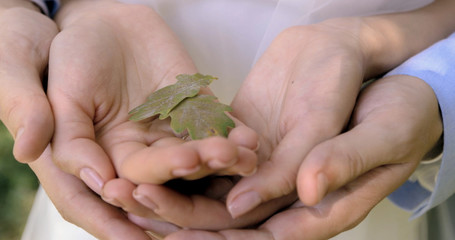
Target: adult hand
{"points": [[395, 123], [107, 59], [25, 38], [309, 80], [80, 206]]}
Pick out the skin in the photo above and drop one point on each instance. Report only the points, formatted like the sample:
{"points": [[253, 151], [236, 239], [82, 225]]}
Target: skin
{"points": [[314, 107], [101, 231], [24, 109], [26, 40], [92, 93], [398, 111]]}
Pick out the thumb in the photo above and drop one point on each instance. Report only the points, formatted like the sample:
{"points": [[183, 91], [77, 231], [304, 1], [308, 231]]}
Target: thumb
{"points": [[337, 161], [393, 126], [24, 108]]}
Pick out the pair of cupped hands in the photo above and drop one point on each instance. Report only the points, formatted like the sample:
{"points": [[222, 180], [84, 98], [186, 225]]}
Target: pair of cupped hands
{"points": [[315, 156]]}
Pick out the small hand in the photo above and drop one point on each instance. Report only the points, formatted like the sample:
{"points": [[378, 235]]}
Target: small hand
{"points": [[107, 59]]}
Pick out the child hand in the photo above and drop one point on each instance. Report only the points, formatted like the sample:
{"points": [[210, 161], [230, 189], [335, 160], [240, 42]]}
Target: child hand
{"points": [[106, 60]]}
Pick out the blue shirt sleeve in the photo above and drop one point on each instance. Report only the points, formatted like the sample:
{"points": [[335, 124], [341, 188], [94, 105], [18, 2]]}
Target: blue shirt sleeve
{"points": [[48, 7], [436, 66]]}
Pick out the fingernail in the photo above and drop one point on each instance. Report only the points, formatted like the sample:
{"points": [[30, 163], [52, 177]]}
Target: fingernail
{"points": [[19, 133], [257, 146], [112, 201], [322, 186], [154, 236], [217, 164], [144, 200], [247, 174], [181, 172], [244, 203], [92, 179]]}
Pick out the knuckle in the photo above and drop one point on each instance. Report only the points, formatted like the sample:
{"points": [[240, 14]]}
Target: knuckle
{"points": [[68, 200], [34, 105], [287, 185]]}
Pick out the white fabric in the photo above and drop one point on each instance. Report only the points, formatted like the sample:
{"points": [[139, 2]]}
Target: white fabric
{"points": [[225, 38]]}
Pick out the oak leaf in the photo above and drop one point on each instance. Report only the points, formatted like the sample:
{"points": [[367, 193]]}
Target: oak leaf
{"points": [[165, 99], [202, 117]]}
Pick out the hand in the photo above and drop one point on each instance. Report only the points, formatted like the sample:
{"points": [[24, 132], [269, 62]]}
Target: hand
{"points": [[395, 123], [80, 206], [365, 63], [318, 71], [107, 59], [25, 36], [295, 105]]}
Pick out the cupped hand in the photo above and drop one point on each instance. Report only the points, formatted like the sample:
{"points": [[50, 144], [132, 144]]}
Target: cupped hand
{"points": [[395, 123], [300, 93], [80, 206], [106, 60], [26, 36]]}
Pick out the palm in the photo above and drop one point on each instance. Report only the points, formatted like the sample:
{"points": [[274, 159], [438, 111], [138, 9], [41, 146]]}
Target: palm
{"points": [[300, 93], [293, 102], [395, 122], [105, 67]]}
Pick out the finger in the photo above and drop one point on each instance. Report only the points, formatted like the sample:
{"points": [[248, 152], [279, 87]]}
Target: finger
{"points": [[223, 157], [24, 107], [155, 164], [78, 205], [170, 158], [75, 99], [339, 211], [244, 136], [379, 138], [273, 179], [180, 209], [335, 162], [216, 152], [119, 192], [221, 235], [75, 148], [197, 211], [342, 209], [246, 164], [155, 228], [26, 113]]}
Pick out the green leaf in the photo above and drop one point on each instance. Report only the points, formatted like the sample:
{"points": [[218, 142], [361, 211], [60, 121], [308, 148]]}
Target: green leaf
{"points": [[165, 99], [202, 116]]}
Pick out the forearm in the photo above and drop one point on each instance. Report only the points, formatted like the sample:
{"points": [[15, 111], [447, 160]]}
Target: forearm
{"points": [[388, 40], [396, 37]]}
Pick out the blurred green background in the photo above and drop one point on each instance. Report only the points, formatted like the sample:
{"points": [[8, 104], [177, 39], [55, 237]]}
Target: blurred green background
{"points": [[18, 186]]}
